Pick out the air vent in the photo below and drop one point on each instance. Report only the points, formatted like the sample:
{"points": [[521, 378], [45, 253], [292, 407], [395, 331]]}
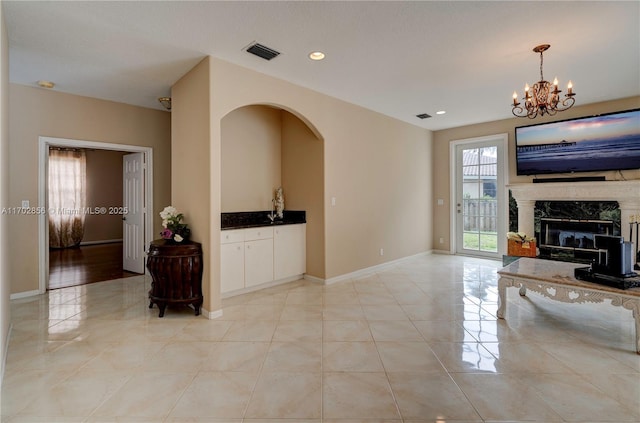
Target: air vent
{"points": [[262, 51], [423, 116]]}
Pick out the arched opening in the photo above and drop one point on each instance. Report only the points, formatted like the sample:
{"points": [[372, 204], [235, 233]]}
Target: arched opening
{"points": [[264, 147]]}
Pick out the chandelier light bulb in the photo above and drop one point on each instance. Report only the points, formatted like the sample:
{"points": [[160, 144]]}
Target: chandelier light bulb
{"points": [[543, 98]]}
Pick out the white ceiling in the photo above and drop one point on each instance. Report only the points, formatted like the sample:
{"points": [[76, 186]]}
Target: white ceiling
{"points": [[399, 58]]}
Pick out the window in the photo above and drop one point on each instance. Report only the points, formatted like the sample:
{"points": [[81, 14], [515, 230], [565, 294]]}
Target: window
{"points": [[67, 196]]}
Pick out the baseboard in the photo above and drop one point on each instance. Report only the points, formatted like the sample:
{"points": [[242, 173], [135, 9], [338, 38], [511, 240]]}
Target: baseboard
{"points": [[104, 241], [314, 279], [211, 314], [442, 252], [24, 294], [368, 271], [262, 286]]}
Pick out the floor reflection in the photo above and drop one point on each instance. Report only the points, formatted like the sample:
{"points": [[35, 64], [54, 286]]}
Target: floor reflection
{"points": [[477, 357]]}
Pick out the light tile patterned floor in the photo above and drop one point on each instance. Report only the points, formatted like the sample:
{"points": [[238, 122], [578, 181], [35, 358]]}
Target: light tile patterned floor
{"points": [[418, 342]]}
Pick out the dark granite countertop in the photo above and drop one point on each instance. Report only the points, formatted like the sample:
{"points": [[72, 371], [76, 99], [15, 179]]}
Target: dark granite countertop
{"points": [[241, 220]]}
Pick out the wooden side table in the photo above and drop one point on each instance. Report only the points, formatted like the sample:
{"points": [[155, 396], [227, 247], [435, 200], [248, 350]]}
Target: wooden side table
{"points": [[176, 270]]}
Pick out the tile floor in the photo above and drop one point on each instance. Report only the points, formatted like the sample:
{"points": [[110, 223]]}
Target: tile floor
{"points": [[418, 342]]}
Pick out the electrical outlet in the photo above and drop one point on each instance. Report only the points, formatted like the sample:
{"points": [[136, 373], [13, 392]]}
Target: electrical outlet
{"points": [[441, 240], [25, 204], [382, 251]]}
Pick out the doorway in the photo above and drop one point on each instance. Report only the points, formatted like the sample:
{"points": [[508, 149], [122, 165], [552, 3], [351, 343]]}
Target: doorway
{"points": [[479, 189], [96, 258]]}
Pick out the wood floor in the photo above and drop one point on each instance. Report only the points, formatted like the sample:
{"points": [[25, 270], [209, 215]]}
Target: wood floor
{"points": [[86, 264]]}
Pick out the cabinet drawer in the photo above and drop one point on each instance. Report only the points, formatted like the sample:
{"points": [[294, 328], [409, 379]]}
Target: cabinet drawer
{"points": [[252, 234], [235, 235]]}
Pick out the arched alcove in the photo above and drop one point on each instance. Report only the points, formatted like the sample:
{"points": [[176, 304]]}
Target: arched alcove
{"points": [[264, 146]]}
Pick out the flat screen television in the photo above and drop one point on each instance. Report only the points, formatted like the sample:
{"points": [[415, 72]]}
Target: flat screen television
{"points": [[589, 144]]}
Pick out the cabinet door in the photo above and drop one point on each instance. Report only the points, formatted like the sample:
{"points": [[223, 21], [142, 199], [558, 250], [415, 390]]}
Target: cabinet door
{"points": [[289, 251], [258, 262], [231, 266]]}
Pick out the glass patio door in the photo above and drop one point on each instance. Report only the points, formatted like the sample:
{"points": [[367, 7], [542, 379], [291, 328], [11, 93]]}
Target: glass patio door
{"points": [[479, 198]]}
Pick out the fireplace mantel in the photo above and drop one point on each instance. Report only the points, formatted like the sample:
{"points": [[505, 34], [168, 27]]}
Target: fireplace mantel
{"points": [[626, 193]]}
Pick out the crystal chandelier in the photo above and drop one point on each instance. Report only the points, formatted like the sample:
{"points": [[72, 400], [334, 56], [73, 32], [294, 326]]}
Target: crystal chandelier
{"points": [[545, 98]]}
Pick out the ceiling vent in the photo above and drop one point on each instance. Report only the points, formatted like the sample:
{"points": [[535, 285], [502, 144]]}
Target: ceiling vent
{"points": [[423, 116], [262, 51]]}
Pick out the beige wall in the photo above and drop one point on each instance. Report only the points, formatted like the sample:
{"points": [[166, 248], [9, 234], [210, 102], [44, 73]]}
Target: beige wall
{"points": [[265, 147], [377, 168], [37, 112], [5, 318], [191, 170], [442, 140], [104, 189], [303, 185], [251, 158]]}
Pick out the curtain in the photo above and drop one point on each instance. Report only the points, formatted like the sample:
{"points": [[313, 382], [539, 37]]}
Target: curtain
{"points": [[67, 197]]}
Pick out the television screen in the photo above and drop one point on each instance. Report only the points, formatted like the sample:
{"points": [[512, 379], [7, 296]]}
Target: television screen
{"points": [[596, 143]]}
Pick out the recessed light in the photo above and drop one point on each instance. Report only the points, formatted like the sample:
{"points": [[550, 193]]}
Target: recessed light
{"points": [[440, 112], [316, 55], [46, 84]]}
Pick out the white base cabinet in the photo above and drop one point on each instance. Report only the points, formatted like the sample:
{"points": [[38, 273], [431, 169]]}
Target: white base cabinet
{"points": [[289, 251], [231, 266], [255, 256], [258, 262]]}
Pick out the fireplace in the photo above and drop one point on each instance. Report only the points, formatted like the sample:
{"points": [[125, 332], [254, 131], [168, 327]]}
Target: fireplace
{"points": [[625, 193]]}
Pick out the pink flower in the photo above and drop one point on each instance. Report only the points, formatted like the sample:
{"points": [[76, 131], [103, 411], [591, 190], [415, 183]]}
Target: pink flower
{"points": [[166, 233]]}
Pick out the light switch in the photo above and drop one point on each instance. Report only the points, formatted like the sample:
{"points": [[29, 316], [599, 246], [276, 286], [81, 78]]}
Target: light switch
{"points": [[440, 202], [333, 201]]}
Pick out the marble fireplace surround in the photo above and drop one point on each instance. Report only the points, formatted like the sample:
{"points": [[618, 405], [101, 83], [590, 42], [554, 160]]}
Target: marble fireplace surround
{"points": [[626, 193]]}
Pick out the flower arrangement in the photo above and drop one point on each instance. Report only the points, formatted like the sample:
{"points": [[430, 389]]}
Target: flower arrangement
{"points": [[174, 228]]}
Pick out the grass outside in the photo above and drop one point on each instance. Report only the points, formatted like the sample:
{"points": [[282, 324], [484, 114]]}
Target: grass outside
{"points": [[481, 241]]}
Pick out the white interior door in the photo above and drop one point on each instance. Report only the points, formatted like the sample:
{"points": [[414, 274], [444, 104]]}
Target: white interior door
{"points": [[133, 219], [480, 210]]}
